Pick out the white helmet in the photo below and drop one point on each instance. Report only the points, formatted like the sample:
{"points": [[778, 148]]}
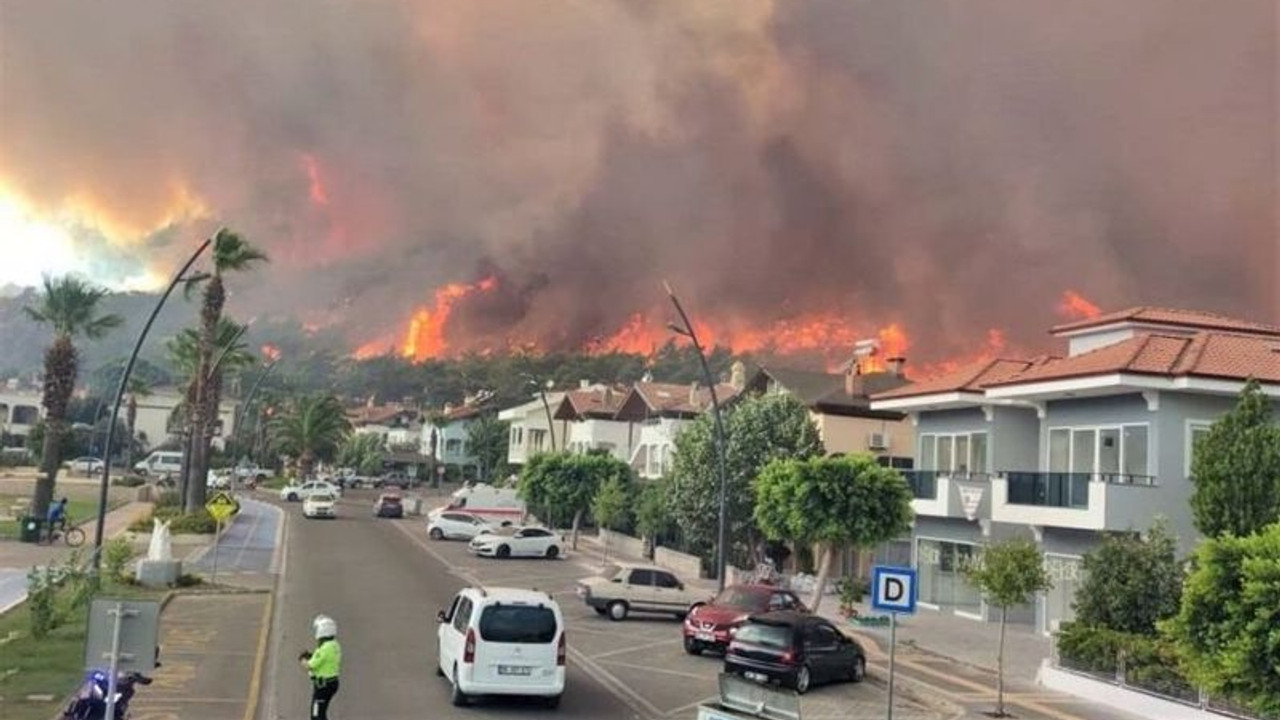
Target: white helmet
{"points": [[325, 626]]}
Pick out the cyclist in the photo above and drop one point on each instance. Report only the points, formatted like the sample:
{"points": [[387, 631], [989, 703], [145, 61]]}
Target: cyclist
{"points": [[57, 517]]}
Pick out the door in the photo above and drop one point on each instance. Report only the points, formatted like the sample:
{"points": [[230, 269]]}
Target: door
{"points": [[516, 645], [451, 633], [640, 589], [822, 648], [532, 542], [668, 592]]}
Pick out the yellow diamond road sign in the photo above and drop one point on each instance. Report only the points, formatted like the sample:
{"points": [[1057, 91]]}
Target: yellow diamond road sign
{"points": [[222, 506]]}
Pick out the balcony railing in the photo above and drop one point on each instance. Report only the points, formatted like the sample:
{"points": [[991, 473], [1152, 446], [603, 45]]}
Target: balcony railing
{"points": [[924, 483], [1048, 489]]}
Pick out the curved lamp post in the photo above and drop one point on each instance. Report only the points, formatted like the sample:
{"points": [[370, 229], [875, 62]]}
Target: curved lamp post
{"points": [[120, 391], [686, 330]]}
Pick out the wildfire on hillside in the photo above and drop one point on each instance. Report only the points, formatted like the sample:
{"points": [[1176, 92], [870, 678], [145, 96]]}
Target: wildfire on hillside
{"points": [[426, 335], [1074, 306], [271, 353]]}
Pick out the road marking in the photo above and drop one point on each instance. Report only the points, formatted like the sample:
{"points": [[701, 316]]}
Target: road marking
{"points": [[637, 648], [276, 624], [1009, 699], [249, 536], [255, 680], [611, 683], [664, 671]]}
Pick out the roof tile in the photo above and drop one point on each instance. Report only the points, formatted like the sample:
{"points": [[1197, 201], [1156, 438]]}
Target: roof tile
{"points": [[1189, 319]]}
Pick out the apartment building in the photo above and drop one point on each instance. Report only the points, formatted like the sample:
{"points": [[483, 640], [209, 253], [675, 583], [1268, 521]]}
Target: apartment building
{"points": [[1063, 449], [533, 430], [658, 411]]}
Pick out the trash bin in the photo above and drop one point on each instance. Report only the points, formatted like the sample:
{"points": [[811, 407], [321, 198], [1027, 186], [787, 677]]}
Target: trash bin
{"points": [[31, 528]]}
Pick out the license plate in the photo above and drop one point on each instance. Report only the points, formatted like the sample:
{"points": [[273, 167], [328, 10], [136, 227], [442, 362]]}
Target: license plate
{"points": [[515, 670], [705, 636], [758, 677]]}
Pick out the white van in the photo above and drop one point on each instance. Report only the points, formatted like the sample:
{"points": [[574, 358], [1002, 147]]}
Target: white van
{"points": [[498, 506], [160, 464], [502, 641]]}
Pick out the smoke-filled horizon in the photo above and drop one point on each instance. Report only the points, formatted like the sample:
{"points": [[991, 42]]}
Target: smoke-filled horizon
{"points": [[947, 166]]}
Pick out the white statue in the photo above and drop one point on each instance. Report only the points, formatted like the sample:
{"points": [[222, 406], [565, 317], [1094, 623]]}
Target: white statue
{"points": [[161, 545]]}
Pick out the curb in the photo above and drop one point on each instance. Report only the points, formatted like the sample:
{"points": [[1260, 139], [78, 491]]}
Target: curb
{"points": [[915, 691]]}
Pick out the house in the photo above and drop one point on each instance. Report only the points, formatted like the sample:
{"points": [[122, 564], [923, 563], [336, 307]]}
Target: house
{"points": [[657, 412], [533, 430], [1062, 449], [445, 439], [398, 424], [155, 420], [592, 423], [20, 410]]}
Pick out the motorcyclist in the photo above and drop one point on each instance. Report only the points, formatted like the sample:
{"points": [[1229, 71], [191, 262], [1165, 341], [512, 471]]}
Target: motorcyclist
{"points": [[90, 703], [323, 665]]}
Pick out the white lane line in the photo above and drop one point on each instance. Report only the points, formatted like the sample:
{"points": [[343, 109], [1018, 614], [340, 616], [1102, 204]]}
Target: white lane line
{"points": [[270, 680], [620, 690], [637, 648], [664, 671], [249, 537]]}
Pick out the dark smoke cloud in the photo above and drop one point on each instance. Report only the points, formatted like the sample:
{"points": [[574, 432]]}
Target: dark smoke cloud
{"points": [[951, 165]]}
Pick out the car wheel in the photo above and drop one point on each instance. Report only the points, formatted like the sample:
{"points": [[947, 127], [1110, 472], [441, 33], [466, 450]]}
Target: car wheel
{"points": [[503, 551], [691, 646], [617, 610], [552, 702], [802, 680], [439, 670], [436, 534], [293, 497], [553, 552], [457, 697], [859, 670]]}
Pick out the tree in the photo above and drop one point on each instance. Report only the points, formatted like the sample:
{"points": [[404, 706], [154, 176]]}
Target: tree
{"points": [[312, 428], [1236, 469], [231, 253], [487, 438], [1008, 573], [363, 453], [1130, 582], [69, 306], [653, 520], [565, 482], [758, 430], [832, 502], [611, 507]]}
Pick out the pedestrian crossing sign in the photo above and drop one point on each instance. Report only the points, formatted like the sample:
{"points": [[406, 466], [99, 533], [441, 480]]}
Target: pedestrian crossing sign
{"points": [[222, 506]]}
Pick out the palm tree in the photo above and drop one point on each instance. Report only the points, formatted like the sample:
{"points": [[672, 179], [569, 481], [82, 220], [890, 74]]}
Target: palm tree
{"points": [[231, 253], [312, 428], [69, 306], [137, 388]]}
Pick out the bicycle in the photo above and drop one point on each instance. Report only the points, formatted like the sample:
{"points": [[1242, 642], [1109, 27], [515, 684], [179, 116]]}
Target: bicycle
{"points": [[72, 536]]}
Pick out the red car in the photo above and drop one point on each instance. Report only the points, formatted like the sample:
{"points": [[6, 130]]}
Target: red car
{"points": [[711, 626]]}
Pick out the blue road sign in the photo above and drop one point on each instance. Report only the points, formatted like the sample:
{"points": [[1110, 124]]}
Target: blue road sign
{"points": [[893, 589]]}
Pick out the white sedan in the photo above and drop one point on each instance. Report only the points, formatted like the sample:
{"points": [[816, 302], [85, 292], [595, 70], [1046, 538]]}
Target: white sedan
{"points": [[294, 493], [456, 526], [87, 465], [520, 542], [320, 505]]}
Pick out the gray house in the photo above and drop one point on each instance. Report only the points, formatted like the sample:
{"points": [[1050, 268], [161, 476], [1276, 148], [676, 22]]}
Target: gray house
{"points": [[1063, 449]]}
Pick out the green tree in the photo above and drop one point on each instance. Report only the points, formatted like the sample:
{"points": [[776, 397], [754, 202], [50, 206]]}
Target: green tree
{"points": [[1130, 582], [832, 502], [757, 430], [1008, 573], [487, 438], [231, 254], [69, 307], [363, 453], [1227, 631], [611, 507], [1236, 469], [653, 519], [312, 428], [563, 482]]}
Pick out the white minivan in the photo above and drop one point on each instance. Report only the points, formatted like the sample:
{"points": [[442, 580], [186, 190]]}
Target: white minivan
{"points": [[502, 641], [160, 464]]}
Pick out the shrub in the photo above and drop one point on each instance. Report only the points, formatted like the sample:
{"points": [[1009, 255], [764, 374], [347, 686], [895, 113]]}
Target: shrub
{"points": [[852, 591], [168, 499], [1150, 662], [186, 580], [115, 555], [128, 481], [199, 522], [41, 594]]}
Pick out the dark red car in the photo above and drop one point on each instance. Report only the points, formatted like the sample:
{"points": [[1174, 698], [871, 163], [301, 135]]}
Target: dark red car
{"points": [[711, 626]]}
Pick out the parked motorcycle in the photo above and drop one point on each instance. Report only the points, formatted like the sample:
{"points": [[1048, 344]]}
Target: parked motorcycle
{"points": [[90, 701]]}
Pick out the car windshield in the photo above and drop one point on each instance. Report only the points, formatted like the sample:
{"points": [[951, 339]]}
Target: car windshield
{"points": [[322, 498], [743, 598], [517, 624], [391, 500], [774, 636], [616, 573]]}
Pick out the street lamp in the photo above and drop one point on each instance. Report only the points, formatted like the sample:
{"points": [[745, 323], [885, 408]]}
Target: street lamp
{"points": [[722, 547], [124, 383], [248, 402]]}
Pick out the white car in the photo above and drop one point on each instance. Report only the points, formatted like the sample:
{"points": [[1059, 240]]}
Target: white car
{"points": [[86, 465], [502, 641], [320, 505], [456, 526], [520, 542], [294, 493], [220, 479]]}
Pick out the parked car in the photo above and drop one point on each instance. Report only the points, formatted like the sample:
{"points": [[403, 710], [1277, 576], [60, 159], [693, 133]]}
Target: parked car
{"points": [[388, 505], [518, 542], [794, 649], [86, 465], [398, 478], [456, 526], [160, 464], [502, 641], [294, 492], [499, 506], [320, 505], [711, 626], [362, 481], [639, 588], [252, 473], [220, 479]]}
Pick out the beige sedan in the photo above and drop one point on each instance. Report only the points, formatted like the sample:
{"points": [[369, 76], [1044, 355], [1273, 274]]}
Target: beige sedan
{"points": [[639, 588]]}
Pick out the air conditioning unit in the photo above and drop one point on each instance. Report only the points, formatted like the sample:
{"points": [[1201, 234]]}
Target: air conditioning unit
{"points": [[878, 441]]}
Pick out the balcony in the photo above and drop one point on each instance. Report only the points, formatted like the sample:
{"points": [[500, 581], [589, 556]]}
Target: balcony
{"points": [[949, 494], [924, 483], [1085, 501]]}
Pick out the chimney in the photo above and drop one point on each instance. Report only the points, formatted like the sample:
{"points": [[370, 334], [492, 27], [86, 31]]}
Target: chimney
{"points": [[896, 365], [584, 384]]}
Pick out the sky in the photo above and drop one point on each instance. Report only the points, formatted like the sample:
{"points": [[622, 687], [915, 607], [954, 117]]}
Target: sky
{"points": [[950, 167]]}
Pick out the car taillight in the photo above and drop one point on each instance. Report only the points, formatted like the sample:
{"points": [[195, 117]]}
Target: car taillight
{"points": [[560, 650], [788, 658], [469, 650]]}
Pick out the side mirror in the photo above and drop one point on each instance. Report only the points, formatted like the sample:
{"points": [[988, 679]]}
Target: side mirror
{"points": [[441, 617], [679, 586]]}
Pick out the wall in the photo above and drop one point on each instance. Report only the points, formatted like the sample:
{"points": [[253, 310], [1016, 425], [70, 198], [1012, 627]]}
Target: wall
{"points": [[592, 433], [533, 416], [154, 411], [624, 546], [842, 434], [684, 565], [653, 437], [1014, 441]]}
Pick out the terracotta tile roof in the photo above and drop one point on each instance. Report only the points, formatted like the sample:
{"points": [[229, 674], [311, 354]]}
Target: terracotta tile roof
{"points": [[827, 392], [970, 378], [462, 412], [1215, 355], [1190, 319], [674, 399], [377, 414], [591, 403]]}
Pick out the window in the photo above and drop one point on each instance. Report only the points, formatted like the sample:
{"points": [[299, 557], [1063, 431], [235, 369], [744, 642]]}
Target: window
{"points": [[1135, 450], [533, 533], [1110, 451], [961, 464], [771, 636], [1196, 431], [463, 616], [518, 624], [945, 455], [665, 580], [642, 577], [537, 438], [928, 446], [453, 447], [978, 453], [1059, 450], [822, 636], [962, 453]]}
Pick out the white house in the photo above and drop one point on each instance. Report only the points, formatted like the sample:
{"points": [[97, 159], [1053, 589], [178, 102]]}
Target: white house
{"points": [[20, 410], [591, 412], [657, 412], [398, 425], [531, 427], [445, 440]]}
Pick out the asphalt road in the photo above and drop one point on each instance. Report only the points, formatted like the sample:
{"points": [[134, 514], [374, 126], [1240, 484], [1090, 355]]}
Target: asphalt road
{"points": [[384, 590]]}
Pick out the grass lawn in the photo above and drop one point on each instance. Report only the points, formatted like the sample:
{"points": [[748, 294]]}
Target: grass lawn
{"points": [[52, 666], [78, 511]]}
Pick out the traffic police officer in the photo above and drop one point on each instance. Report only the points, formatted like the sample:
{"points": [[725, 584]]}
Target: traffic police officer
{"points": [[323, 666]]}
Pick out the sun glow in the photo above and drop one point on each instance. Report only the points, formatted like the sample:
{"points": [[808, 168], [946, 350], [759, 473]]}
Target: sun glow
{"points": [[32, 246]]}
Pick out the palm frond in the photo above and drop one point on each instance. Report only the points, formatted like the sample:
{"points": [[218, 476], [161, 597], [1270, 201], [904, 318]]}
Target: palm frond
{"points": [[192, 282], [69, 305], [232, 253]]}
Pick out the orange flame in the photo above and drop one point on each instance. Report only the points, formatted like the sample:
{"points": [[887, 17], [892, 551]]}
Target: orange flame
{"points": [[1074, 306], [425, 338], [315, 185], [892, 345], [271, 352], [373, 349]]}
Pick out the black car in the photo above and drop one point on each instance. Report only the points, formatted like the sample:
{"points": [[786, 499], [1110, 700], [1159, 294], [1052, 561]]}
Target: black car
{"points": [[794, 650], [388, 506]]}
